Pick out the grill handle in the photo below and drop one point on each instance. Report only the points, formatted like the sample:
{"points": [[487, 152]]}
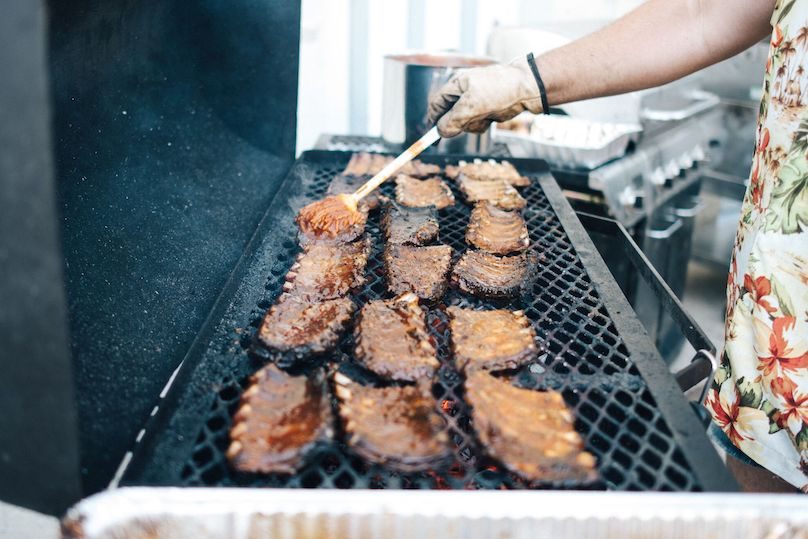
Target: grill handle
{"points": [[704, 363]]}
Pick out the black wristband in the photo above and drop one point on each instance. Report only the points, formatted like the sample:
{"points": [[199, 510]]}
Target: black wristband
{"points": [[531, 61]]}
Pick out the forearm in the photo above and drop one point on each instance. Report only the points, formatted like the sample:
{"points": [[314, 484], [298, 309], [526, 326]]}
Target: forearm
{"points": [[660, 41]]}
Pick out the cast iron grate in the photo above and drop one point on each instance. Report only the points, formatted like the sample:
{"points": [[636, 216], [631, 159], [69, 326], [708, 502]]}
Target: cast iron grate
{"points": [[583, 356]]}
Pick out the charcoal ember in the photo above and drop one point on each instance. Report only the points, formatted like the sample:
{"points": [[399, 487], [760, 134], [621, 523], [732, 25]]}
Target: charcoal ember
{"points": [[295, 329], [416, 193], [327, 270], [399, 427], [490, 276], [409, 226], [531, 432], [497, 192], [497, 231], [345, 185], [423, 271], [487, 171], [491, 340], [279, 420], [392, 341]]}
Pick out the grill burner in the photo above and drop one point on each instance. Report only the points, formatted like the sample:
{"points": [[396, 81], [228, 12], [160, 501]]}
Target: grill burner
{"points": [[582, 355]]}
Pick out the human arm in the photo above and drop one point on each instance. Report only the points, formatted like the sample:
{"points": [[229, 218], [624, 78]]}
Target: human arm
{"points": [[660, 41]]}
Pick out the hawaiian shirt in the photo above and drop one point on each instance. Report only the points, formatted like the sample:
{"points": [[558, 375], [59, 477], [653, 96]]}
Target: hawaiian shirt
{"points": [[760, 394]]}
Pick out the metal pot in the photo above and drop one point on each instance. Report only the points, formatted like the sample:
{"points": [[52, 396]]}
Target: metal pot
{"points": [[409, 80]]}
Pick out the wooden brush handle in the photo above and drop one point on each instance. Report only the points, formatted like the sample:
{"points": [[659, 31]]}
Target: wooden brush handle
{"points": [[408, 155]]}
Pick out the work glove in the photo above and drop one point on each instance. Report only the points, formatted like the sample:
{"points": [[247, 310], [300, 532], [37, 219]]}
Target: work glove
{"points": [[475, 97]]}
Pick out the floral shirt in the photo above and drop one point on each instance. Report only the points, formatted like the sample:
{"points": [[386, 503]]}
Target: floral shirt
{"points": [[760, 394]]}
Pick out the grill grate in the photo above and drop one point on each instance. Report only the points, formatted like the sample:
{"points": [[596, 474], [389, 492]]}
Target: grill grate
{"points": [[582, 355]]}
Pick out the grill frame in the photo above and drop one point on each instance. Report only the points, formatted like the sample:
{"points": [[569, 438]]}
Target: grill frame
{"points": [[169, 434]]}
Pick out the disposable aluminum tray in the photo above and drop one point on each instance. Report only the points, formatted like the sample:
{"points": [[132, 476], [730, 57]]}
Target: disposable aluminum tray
{"points": [[284, 514], [630, 412]]}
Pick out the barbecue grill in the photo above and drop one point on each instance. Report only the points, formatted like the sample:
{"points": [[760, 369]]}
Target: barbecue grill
{"points": [[173, 131], [633, 417]]}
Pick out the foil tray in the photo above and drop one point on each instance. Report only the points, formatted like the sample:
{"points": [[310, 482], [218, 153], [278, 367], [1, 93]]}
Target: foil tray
{"points": [[227, 513], [563, 149]]}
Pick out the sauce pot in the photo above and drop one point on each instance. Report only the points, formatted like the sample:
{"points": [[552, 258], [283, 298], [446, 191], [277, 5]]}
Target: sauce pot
{"points": [[409, 80]]}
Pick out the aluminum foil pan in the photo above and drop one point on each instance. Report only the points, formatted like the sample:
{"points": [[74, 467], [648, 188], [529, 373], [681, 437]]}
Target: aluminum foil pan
{"points": [[567, 142], [292, 514]]}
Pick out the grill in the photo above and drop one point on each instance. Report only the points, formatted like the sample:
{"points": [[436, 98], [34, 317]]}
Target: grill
{"points": [[630, 412]]}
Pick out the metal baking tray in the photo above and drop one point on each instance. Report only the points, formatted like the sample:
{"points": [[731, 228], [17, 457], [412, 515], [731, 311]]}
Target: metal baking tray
{"points": [[629, 410]]}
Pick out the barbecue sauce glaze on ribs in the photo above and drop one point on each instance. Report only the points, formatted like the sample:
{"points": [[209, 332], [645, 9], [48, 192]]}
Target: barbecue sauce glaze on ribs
{"points": [[491, 276], [415, 193], [370, 164], [279, 419], [498, 192], [345, 185], [531, 432], [325, 270], [397, 426], [299, 328], [334, 218], [423, 271], [392, 341], [497, 231], [409, 226], [491, 340], [487, 171]]}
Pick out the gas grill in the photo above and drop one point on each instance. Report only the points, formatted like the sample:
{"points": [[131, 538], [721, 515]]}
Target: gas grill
{"points": [[631, 414], [172, 167]]}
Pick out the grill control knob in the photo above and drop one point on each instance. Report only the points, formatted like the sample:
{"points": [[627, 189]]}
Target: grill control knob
{"points": [[685, 161], [672, 170], [657, 176], [628, 197], [698, 154]]}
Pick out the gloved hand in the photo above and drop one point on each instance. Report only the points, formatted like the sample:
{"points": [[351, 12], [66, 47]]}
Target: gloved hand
{"points": [[475, 97]]}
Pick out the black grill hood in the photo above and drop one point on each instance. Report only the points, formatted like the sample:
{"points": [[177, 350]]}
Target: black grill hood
{"points": [[172, 125]]}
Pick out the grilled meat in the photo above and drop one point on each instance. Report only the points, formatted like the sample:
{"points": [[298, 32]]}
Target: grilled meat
{"points": [[490, 276], [496, 231], [530, 432], [416, 193], [345, 185], [498, 192], [391, 339], [280, 418], [327, 270], [299, 328], [488, 171], [491, 340], [409, 226], [369, 164], [421, 270], [331, 219], [398, 427]]}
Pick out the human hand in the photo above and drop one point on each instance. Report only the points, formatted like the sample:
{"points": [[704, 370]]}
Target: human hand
{"points": [[475, 97]]}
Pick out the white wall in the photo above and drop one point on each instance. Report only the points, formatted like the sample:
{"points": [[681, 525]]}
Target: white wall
{"points": [[326, 67]]}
